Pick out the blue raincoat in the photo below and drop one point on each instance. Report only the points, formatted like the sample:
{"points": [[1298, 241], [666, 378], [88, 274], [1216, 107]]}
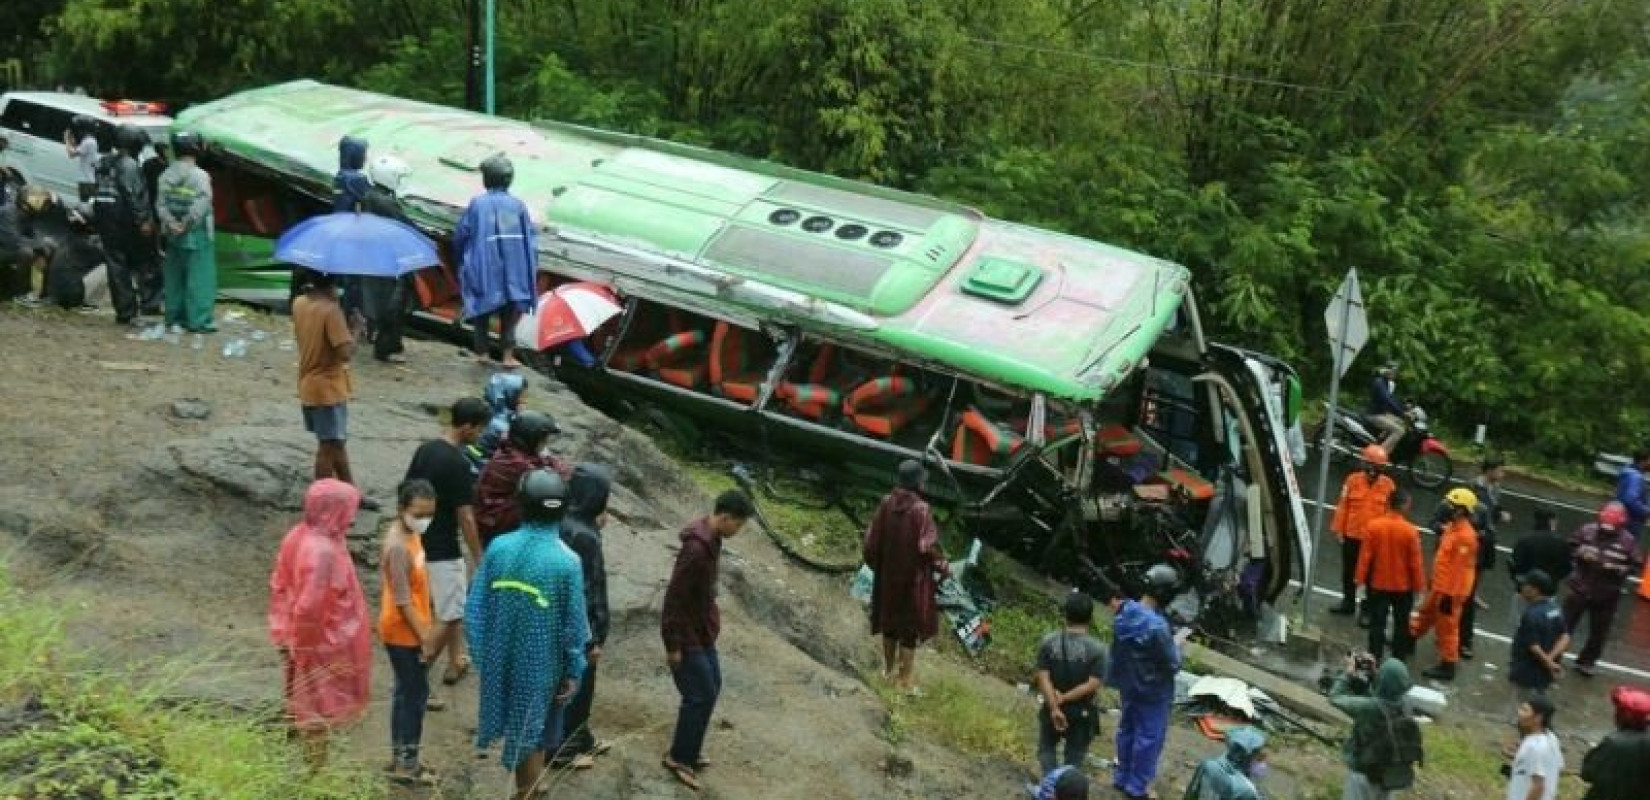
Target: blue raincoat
{"points": [[1144, 660], [350, 185], [527, 631], [500, 258]]}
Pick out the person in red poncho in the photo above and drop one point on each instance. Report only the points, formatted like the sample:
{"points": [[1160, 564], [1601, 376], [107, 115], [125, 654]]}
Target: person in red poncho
{"points": [[902, 548], [318, 619]]}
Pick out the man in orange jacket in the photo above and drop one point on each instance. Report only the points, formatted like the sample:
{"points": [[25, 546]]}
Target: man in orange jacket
{"points": [[1363, 498], [1389, 567], [1454, 568]]}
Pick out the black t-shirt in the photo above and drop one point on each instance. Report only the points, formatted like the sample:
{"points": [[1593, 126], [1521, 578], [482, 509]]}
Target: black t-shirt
{"points": [[1070, 660], [1542, 624], [445, 467]]}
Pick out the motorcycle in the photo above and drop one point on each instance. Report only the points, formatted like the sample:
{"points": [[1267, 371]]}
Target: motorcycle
{"points": [[1419, 454]]}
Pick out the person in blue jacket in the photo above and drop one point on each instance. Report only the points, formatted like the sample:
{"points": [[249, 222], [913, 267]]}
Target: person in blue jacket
{"points": [[1385, 410], [350, 187], [1144, 660], [500, 264], [1630, 490]]}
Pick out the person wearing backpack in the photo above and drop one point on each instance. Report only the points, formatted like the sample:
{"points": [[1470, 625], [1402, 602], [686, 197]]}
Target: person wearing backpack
{"points": [[1071, 668], [1385, 746]]}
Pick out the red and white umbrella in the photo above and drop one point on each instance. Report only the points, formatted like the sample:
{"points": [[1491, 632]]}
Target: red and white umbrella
{"points": [[570, 311]]}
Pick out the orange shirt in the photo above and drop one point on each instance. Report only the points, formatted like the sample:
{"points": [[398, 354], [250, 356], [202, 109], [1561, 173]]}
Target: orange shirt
{"points": [[319, 328], [405, 582], [1361, 501], [1390, 559], [1455, 566]]}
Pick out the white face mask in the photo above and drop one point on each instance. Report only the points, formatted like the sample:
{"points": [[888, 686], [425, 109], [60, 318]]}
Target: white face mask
{"points": [[546, 453], [417, 524]]}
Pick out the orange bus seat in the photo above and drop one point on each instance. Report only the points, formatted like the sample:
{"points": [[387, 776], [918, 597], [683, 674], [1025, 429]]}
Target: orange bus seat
{"points": [[1118, 440], [731, 352], [679, 359], [978, 441], [820, 395], [883, 406], [1190, 483], [263, 214]]}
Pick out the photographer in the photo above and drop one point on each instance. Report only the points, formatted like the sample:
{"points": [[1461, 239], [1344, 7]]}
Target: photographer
{"points": [[1385, 746]]}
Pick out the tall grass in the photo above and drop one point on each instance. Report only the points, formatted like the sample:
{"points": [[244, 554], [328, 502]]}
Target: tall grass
{"points": [[79, 724]]}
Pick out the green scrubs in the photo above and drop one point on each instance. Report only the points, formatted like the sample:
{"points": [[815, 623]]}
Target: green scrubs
{"points": [[191, 271]]}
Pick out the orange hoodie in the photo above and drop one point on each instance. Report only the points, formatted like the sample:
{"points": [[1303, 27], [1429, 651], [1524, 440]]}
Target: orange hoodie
{"points": [[1455, 566], [1361, 500], [1390, 559]]}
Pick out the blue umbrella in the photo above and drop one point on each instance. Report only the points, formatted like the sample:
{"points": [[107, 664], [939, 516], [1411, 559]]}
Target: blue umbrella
{"points": [[352, 243]]}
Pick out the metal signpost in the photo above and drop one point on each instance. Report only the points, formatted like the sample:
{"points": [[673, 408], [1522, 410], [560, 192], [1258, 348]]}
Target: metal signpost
{"points": [[1348, 332]]}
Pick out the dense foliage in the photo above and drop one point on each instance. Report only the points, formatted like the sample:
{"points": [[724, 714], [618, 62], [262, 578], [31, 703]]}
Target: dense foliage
{"points": [[1482, 162]]}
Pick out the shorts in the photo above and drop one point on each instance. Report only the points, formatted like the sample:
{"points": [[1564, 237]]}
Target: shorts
{"points": [[328, 423], [448, 589]]}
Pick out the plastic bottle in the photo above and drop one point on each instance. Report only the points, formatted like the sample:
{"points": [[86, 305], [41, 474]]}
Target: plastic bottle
{"points": [[234, 348]]}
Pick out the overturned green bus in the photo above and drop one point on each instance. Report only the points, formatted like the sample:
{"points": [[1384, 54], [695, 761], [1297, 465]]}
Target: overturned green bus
{"points": [[1060, 389]]}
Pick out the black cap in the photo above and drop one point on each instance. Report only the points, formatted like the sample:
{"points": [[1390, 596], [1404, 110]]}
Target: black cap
{"points": [[1539, 579], [911, 474]]}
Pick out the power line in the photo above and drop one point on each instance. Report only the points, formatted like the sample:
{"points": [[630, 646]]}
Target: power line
{"points": [[1124, 62]]}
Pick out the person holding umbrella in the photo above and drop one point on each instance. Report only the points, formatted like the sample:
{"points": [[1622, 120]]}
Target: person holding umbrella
{"points": [[565, 315], [499, 260]]}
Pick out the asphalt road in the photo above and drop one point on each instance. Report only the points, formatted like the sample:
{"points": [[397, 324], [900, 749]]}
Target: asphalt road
{"points": [[1626, 656]]}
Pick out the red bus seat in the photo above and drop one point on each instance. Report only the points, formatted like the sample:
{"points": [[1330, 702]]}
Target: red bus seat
{"points": [[883, 406], [1190, 483], [679, 359], [263, 215], [733, 351], [978, 440], [821, 394], [1118, 440]]}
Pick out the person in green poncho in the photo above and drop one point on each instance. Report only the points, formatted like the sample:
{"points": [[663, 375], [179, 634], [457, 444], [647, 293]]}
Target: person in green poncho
{"points": [[183, 204]]}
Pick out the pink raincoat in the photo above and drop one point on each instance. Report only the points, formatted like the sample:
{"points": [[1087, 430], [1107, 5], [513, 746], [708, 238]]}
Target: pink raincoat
{"points": [[318, 615]]}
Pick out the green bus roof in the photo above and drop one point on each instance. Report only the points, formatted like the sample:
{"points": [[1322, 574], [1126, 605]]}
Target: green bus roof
{"points": [[1009, 304]]}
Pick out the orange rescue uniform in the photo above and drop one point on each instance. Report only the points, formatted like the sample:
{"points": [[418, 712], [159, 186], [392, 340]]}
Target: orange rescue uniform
{"points": [[1454, 569], [1390, 559], [1362, 500]]}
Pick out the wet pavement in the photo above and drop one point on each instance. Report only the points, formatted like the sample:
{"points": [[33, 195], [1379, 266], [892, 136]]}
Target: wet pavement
{"points": [[1481, 684]]}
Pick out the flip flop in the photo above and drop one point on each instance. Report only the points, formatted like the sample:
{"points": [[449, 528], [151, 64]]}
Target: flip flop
{"points": [[683, 773], [435, 704], [701, 765], [600, 748]]}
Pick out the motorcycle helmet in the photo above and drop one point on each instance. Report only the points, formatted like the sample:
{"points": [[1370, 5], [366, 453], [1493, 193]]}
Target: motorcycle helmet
{"points": [[1632, 707], [542, 495], [130, 139], [497, 172], [1462, 498], [1374, 454], [186, 143], [530, 429], [82, 126], [1161, 582], [387, 172], [33, 199], [1613, 515]]}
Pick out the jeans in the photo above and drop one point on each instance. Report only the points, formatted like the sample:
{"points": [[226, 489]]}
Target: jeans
{"points": [[1141, 733], [1082, 725], [1397, 605], [699, 679], [480, 341], [550, 738], [411, 693], [579, 739]]}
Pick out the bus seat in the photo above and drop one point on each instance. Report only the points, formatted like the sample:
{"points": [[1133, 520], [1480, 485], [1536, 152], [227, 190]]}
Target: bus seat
{"points": [[679, 359], [1190, 483], [821, 393], [732, 351], [1118, 440], [978, 440], [883, 406], [263, 214]]}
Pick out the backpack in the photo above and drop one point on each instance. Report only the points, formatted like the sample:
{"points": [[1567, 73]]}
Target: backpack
{"points": [[110, 206], [1387, 750]]}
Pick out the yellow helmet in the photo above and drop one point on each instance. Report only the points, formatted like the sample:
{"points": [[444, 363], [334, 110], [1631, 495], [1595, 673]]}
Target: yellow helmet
{"points": [[1462, 497]]}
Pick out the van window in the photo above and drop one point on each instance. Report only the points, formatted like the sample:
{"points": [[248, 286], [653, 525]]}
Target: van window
{"points": [[34, 119]]}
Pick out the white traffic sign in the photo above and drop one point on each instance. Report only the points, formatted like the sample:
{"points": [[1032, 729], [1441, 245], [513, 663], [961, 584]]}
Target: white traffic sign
{"points": [[1347, 321]]}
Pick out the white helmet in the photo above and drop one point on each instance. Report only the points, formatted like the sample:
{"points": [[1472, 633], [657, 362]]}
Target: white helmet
{"points": [[388, 171]]}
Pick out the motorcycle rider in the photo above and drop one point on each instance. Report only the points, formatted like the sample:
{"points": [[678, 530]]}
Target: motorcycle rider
{"points": [[124, 215], [1363, 498], [1454, 569], [1385, 410]]}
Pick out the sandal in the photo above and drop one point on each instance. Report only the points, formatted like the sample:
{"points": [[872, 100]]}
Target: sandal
{"points": [[435, 704], [683, 773], [600, 748], [422, 776], [456, 672]]}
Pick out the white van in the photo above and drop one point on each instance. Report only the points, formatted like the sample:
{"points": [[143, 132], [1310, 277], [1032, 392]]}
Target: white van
{"points": [[34, 123]]}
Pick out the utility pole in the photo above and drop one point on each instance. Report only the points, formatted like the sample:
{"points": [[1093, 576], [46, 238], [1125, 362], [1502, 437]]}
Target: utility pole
{"points": [[472, 55], [490, 27]]}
